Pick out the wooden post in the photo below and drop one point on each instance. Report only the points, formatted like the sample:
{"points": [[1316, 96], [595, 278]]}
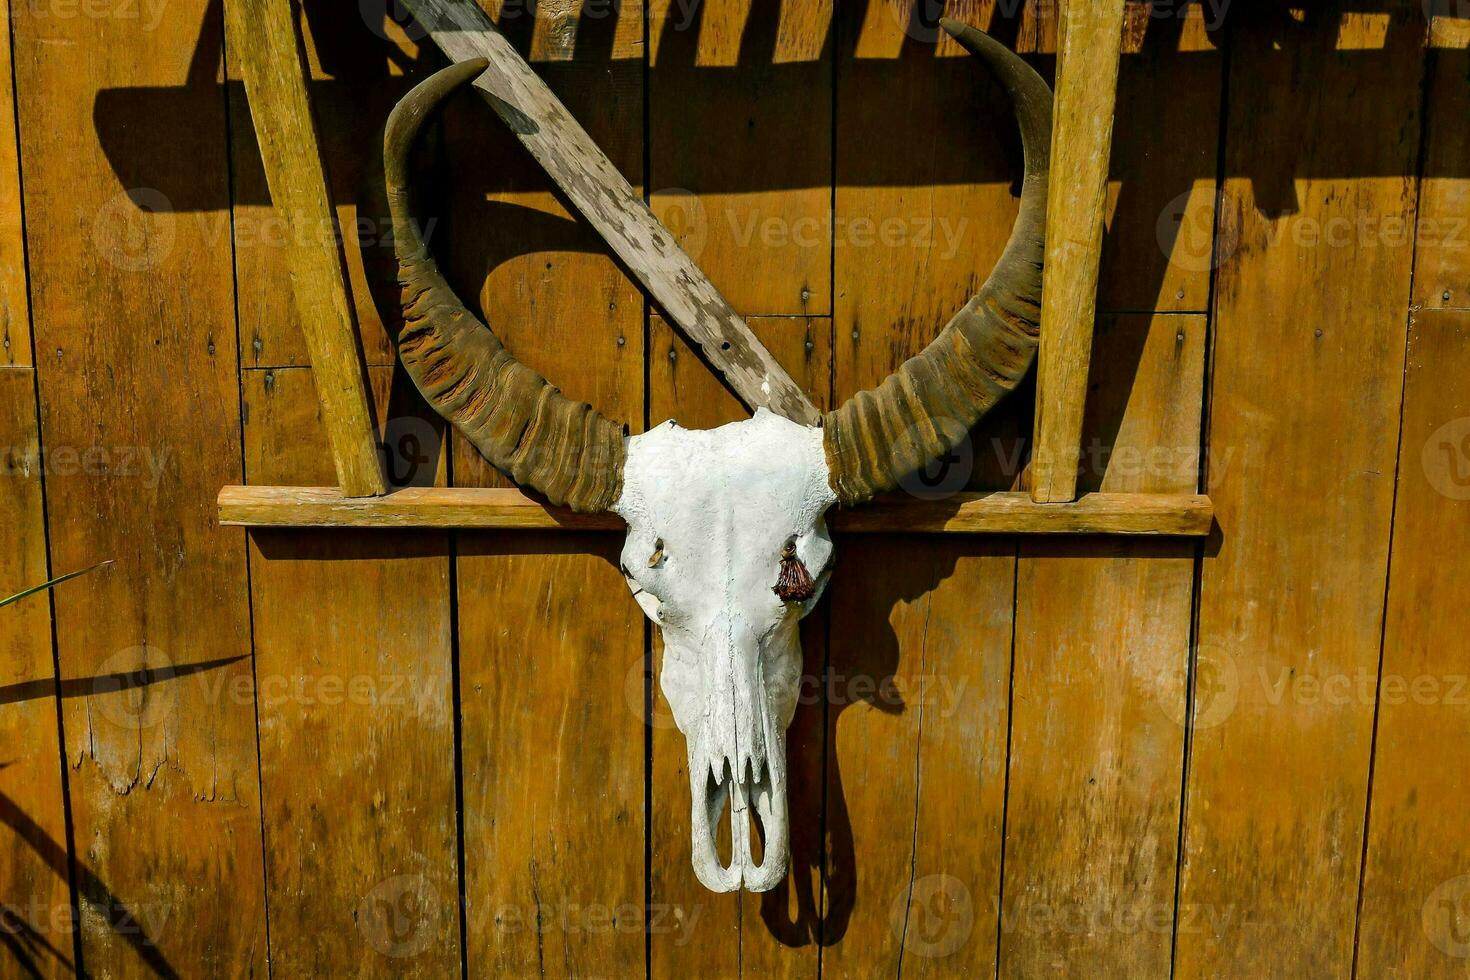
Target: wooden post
{"points": [[1081, 143], [263, 38], [605, 198]]}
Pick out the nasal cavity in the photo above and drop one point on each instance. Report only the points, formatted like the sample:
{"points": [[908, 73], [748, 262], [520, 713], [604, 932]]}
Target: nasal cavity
{"points": [[720, 826]]}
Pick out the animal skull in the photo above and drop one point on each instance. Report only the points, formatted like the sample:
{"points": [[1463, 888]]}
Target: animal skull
{"points": [[717, 519], [709, 515]]}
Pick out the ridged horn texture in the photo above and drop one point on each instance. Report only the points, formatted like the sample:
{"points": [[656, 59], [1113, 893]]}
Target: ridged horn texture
{"points": [[520, 423], [921, 411]]}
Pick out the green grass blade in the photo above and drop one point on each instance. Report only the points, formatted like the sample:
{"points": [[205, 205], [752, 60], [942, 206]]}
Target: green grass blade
{"points": [[53, 583]]}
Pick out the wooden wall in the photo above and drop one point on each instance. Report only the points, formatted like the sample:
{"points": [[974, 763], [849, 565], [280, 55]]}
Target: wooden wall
{"points": [[413, 754]]}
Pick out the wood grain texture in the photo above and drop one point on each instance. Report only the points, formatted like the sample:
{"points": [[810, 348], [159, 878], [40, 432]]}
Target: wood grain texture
{"points": [[554, 869], [744, 934], [768, 67], [358, 71], [1155, 514], [1102, 652], [135, 311], [15, 325], [553, 742], [1415, 891], [1304, 425], [920, 639], [36, 916], [1441, 238], [1091, 34], [602, 194], [914, 248], [355, 695], [261, 37], [917, 691], [1158, 248]]}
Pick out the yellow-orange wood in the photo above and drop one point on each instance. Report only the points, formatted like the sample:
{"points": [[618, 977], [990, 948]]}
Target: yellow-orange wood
{"points": [[15, 326], [920, 638], [604, 197], [767, 248], [995, 512], [355, 696], [1304, 424], [132, 299], [1089, 38], [34, 892], [548, 635], [262, 41], [1441, 235], [1158, 246], [1416, 893], [1102, 655], [358, 69]]}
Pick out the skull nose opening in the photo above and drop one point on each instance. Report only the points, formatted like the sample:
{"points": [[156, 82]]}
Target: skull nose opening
{"points": [[751, 849]]}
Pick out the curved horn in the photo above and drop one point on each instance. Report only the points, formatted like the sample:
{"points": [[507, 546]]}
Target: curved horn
{"points": [[933, 400], [524, 426]]}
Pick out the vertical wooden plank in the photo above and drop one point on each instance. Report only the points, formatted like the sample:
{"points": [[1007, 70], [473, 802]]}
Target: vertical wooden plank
{"points": [[553, 746], [262, 40], [36, 916], [713, 935], [917, 702], [354, 689], [740, 146], [1416, 888], [134, 309], [921, 631], [1158, 249], [1102, 649], [1091, 33], [553, 757], [1303, 434], [15, 326], [1442, 236]]}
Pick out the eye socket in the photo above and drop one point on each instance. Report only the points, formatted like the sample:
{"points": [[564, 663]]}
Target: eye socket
{"points": [[658, 553], [793, 581]]}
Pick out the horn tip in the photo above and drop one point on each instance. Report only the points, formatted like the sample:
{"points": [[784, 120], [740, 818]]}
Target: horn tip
{"points": [[953, 27]]}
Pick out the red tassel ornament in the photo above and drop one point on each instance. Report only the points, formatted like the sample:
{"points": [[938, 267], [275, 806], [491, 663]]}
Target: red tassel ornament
{"points": [[794, 584]]}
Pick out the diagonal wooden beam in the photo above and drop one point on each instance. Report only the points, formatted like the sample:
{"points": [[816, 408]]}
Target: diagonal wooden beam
{"points": [[605, 198], [1081, 144], [262, 38]]}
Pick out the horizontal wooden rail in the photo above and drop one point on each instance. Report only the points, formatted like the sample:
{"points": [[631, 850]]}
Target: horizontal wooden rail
{"points": [[1185, 515]]}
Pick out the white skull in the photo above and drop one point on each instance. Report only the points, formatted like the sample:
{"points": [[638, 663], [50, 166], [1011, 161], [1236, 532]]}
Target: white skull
{"points": [[709, 513]]}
